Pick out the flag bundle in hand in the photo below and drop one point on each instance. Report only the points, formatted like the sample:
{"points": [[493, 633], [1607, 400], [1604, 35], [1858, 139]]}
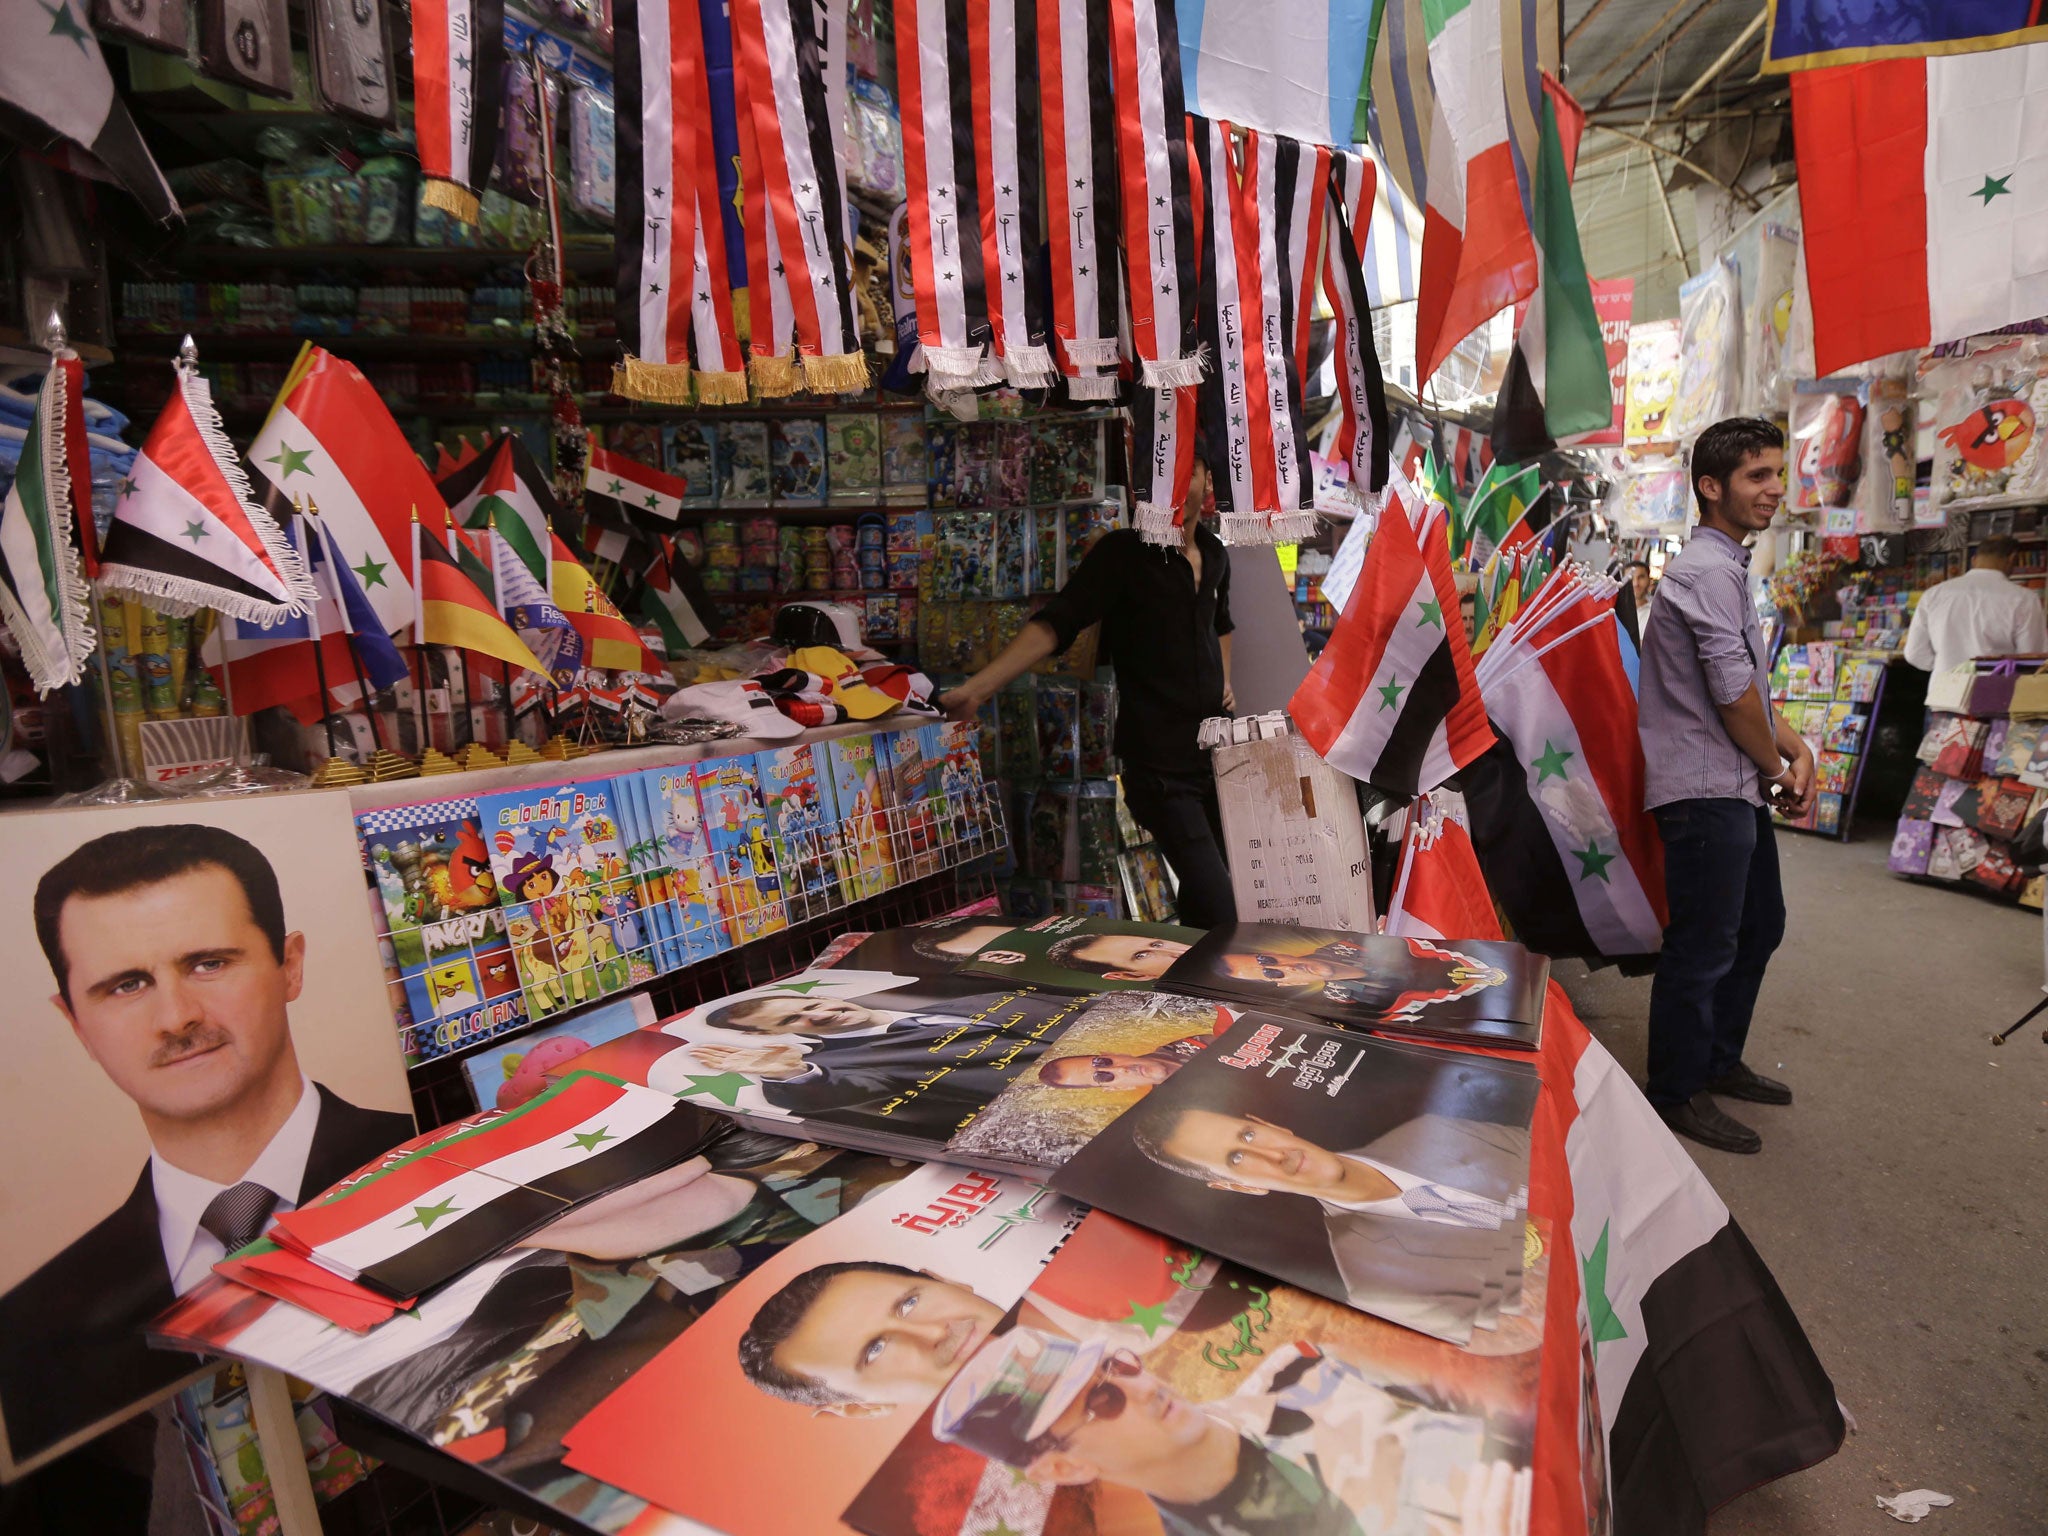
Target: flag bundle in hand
{"points": [[1392, 699], [1557, 804], [1439, 892], [43, 559], [187, 533]]}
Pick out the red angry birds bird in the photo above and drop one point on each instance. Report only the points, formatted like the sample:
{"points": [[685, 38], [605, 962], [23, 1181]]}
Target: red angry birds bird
{"points": [[1994, 436], [469, 872]]}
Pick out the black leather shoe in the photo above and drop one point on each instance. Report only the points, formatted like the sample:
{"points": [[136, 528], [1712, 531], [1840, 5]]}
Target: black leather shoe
{"points": [[1710, 1125], [1745, 1084]]}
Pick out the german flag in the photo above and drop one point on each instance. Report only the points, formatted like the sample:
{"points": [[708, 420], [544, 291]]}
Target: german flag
{"points": [[608, 640], [454, 612]]}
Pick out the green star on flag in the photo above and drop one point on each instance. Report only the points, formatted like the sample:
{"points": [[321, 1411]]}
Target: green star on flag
{"points": [[806, 988], [1593, 862], [1150, 1316], [372, 572], [195, 532], [615, 487], [588, 1140], [290, 461], [1552, 761], [1994, 186], [424, 1216], [653, 501], [1432, 613], [1390, 694], [1599, 1309], [724, 1087], [64, 24]]}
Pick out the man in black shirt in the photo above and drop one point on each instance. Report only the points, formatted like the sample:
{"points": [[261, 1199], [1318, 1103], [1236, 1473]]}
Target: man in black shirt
{"points": [[1165, 616]]}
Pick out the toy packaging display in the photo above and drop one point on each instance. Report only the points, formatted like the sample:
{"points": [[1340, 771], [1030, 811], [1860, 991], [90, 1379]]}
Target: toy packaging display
{"points": [[803, 822], [1013, 544], [749, 881], [1767, 316], [906, 461], [1988, 408], [679, 824], [1648, 498], [798, 461], [974, 463], [1059, 729], [1709, 351], [942, 449], [744, 472], [690, 453], [1652, 382], [1087, 524], [853, 456], [1825, 455], [593, 173], [1012, 478], [1066, 462], [1097, 752]]}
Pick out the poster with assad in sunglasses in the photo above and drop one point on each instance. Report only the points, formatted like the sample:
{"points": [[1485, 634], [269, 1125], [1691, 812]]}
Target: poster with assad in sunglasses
{"points": [[1485, 991], [1142, 1387]]}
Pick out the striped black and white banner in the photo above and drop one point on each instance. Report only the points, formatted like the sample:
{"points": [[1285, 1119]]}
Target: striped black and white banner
{"points": [[1283, 193], [1234, 404], [1080, 191], [1363, 437], [458, 65], [1006, 141]]}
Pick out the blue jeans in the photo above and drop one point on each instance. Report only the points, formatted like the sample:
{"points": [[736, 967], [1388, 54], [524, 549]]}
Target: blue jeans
{"points": [[1727, 916]]}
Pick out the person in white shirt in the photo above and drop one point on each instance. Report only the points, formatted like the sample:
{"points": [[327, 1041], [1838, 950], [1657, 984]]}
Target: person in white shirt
{"points": [[1982, 612]]}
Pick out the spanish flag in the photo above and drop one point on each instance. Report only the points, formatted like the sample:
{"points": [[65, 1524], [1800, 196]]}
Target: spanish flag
{"points": [[608, 640], [454, 612]]}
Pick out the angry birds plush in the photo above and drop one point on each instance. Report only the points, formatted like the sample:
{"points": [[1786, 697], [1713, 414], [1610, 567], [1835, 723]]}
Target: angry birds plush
{"points": [[1993, 436]]}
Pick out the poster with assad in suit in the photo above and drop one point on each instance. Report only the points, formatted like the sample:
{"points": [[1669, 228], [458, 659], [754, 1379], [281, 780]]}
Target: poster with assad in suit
{"points": [[198, 1040]]}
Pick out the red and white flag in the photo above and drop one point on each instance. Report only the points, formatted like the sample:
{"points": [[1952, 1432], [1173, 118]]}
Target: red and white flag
{"points": [[1080, 191], [458, 68], [1161, 217], [187, 532], [1923, 191], [1439, 892], [1363, 426], [1280, 204], [1163, 458], [1005, 97], [771, 313]]}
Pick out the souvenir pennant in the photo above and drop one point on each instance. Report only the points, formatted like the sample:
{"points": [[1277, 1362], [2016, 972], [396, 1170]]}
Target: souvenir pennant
{"points": [[1080, 191], [771, 346], [1282, 197], [1004, 80], [1234, 399], [675, 295], [1160, 217], [44, 599], [1363, 430], [1164, 423], [947, 256], [458, 66], [622, 493], [775, 47]]}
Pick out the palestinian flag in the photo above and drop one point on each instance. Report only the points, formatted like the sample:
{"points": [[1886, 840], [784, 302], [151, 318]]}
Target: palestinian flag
{"points": [[625, 495], [1439, 892], [505, 490], [187, 533], [44, 599], [1557, 803], [665, 605], [608, 640], [460, 1200], [1392, 699], [454, 610]]}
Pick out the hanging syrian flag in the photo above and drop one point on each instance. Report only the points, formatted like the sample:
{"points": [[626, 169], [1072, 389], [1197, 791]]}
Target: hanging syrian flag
{"points": [[527, 608], [55, 89], [1163, 459], [1080, 191], [331, 441], [1439, 892], [776, 48], [1477, 254], [608, 640], [1004, 78], [462, 1199], [458, 70], [1557, 383], [505, 490], [1392, 699], [44, 598], [187, 533], [665, 604], [1363, 429], [627, 496], [675, 292], [1557, 803], [1161, 220], [1923, 189], [454, 610], [771, 313], [1280, 202]]}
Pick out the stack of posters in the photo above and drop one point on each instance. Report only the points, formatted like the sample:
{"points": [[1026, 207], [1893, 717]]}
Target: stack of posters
{"points": [[1058, 954], [1389, 1176], [1474, 990]]}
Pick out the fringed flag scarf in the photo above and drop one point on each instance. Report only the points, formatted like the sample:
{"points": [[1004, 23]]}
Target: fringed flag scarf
{"points": [[771, 342], [1282, 197], [776, 48], [44, 543], [1363, 433], [1080, 191], [1004, 77], [458, 68], [675, 297], [1300, 179], [1163, 455], [1160, 220]]}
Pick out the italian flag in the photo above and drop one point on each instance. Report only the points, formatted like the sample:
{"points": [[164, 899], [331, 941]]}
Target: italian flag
{"points": [[1923, 188], [1477, 255]]}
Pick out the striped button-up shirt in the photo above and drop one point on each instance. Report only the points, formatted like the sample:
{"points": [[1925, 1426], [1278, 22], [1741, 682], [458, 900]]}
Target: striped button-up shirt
{"points": [[1701, 648]]}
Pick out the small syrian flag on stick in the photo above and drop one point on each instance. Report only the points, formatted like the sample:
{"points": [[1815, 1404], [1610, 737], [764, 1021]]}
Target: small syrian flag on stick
{"points": [[626, 495], [1439, 892], [1392, 699], [44, 599], [458, 67], [187, 533]]}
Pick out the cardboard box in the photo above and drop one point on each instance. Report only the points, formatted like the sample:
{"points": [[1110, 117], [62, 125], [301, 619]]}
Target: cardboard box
{"points": [[1293, 836]]}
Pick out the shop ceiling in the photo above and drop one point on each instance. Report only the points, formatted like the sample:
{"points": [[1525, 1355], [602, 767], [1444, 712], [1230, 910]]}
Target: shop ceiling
{"points": [[1685, 139]]}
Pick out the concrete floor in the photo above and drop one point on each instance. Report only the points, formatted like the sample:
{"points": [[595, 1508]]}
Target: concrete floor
{"points": [[1902, 1200]]}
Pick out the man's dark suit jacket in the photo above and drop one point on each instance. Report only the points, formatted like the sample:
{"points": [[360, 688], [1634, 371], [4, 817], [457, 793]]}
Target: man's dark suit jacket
{"points": [[71, 1346], [857, 1079]]}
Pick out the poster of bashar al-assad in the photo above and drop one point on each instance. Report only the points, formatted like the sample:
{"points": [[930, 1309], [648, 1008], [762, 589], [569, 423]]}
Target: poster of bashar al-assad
{"points": [[199, 1040]]}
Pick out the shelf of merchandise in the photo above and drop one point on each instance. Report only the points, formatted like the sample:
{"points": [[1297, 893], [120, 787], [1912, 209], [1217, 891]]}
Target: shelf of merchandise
{"points": [[1847, 818], [262, 346], [244, 259]]}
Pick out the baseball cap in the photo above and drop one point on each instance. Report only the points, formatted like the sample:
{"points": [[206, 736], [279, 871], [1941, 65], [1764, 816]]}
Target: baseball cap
{"points": [[910, 688], [847, 690], [804, 696], [741, 700], [1013, 1391]]}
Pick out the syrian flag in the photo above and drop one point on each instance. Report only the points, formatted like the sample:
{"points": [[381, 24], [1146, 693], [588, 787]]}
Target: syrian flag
{"points": [[1080, 191], [1477, 255], [458, 67], [44, 599], [623, 494], [1163, 457], [1004, 92], [55, 89], [1557, 803], [1439, 892], [1923, 191], [505, 491], [1557, 383], [1161, 218], [187, 533], [1291, 180], [331, 441], [771, 342], [665, 605], [1363, 426], [461, 1200], [527, 608], [1392, 699], [608, 640]]}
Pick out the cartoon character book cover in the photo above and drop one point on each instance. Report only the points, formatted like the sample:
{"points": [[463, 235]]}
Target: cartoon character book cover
{"points": [[748, 880], [679, 827], [858, 795], [802, 820]]}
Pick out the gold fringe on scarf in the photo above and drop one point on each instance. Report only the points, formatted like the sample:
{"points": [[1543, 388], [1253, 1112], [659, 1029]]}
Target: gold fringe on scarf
{"points": [[458, 202], [774, 377], [661, 383], [721, 388], [839, 374]]}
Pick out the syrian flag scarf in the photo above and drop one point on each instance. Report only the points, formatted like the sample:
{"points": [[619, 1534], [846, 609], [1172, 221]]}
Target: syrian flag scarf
{"points": [[1300, 177], [775, 48], [44, 599], [1080, 191], [675, 296], [187, 532], [1280, 202], [1163, 421], [1363, 431], [458, 68], [771, 314], [1004, 76], [1160, 217]]}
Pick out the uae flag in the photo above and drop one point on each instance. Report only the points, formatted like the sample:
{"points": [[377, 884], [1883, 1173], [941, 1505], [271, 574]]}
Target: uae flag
{"points": [[665, 605], [187, 533], [1439, 892], [505, 490], [454, 609], [625, 495], [608, 640], [1392, 699], [463, 1199], [1923, 190], [44, 599], [458, 67], [1557, 802]]}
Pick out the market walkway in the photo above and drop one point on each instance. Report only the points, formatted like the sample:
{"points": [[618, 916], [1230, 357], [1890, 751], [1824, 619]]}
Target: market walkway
{"points": [[1903, 1199]]}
